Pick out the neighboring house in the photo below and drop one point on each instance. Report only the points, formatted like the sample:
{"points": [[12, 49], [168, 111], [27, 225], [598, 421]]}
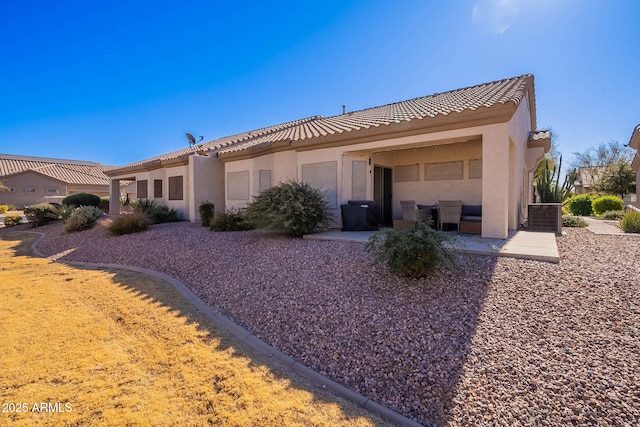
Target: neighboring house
{"points": [[586, 176], [478, 144], [31, 180], [634, 142]]}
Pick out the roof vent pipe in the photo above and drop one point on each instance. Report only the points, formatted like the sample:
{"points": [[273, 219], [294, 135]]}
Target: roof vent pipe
{"points": [[344, 109]]}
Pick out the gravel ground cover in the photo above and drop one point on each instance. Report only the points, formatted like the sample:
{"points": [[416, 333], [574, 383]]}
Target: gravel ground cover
{"points": [[499, 341]]}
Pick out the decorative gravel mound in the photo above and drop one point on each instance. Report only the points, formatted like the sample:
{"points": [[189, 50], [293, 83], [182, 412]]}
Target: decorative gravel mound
{"points": [[497, 342]]}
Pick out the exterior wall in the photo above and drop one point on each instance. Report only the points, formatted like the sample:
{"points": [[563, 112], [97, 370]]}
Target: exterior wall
{"points": [[282, 165], [102, 191], [638, 188], [503, 188], [184, 206], [30, 188], [207, 176]]}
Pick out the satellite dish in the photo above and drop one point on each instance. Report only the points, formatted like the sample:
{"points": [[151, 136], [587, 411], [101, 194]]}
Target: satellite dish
{"points": [[192, 139]]}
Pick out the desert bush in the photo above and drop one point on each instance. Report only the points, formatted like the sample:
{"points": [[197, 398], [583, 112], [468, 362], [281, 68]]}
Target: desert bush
{"points": [[40, 214], [4, 208], [63, 211], [157, 212], [606, 203], [630, 223], [127, 224], [206, 210], [104, 204], [547, 182], [231, 220], [161, 214], [573, 221], [580, 204], [12, 220], [82, 218], [292, 207], [144, 205], [82, 199], [411, 252], [612, 215]]}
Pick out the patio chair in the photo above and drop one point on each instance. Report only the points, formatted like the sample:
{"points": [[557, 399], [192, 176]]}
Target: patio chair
{"points": [[410, 212], [450, 213]]}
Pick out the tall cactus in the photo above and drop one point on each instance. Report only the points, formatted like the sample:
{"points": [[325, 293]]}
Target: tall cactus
{"points": [[547, 183]]}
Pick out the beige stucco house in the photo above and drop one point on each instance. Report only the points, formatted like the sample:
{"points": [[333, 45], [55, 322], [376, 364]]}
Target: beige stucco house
{"points": [[29, 180], [477, 144], [634, 142]]}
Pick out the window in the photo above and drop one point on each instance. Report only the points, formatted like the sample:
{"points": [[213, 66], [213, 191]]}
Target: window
{"points": [[407, 173], [141, 189], [157, 188], [175, 187], [475, 169], [52, 190], [443, 171], [238, 185], [265, 180], [324, 177], [358, 180], [30, 189]]}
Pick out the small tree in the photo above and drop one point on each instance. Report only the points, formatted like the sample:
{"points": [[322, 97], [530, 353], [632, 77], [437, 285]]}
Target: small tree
{"points": [[595, 163], [618, 179], [548, 185], [293, 207]]}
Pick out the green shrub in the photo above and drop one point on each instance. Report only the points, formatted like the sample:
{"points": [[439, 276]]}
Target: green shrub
{"points": [[82, 199], [630, 223], [292, 207], [12, 220], [82, 218], [144, 205], [161, 214], [612, 215], [206, 210], [231, 220], [104, 204], [607, 203], [580, 204], [573, 221], [131, 223], [157, 213], [40, 214], [4, 208], [411, 252]]}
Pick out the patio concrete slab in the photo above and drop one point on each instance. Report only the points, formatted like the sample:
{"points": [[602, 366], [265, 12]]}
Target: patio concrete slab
{"points": [[519, 244]]}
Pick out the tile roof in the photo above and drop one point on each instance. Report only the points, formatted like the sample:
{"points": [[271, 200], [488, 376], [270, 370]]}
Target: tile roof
{"points": [[214, 145], [473, 98], [69, 171]]}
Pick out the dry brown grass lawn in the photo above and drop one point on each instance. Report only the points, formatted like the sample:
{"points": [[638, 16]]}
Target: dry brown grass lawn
{"points": [[114, 347]]}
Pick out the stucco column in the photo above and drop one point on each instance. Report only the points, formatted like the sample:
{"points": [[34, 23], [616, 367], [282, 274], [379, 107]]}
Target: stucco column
{"points": [[495, 182], [114, 197]]}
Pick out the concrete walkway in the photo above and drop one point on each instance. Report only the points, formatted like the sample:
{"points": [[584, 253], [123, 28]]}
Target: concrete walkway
{"points": [[599, 226], [519, 244]]}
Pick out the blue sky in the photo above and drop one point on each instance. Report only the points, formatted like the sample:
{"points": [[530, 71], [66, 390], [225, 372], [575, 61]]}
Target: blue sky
{"points": [[120, 81]]}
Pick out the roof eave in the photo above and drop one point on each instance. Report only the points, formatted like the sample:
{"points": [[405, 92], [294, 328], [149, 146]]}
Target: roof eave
{"points": [[634, 142]]}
